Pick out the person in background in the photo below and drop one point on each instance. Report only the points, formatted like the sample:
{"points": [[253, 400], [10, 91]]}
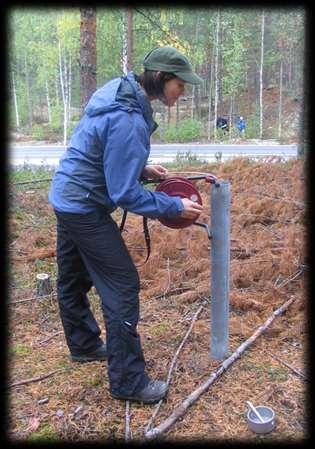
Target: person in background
{"points": [[222, 124], [241, 125], [101, 170]]}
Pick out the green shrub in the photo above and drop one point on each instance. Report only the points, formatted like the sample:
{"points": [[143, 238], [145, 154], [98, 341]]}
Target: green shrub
{"points": [[187, 130], [38, 132], [252, 127], [56, 124]]}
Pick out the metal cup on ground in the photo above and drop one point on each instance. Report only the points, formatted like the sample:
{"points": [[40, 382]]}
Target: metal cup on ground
{"points": [[264, 425]]}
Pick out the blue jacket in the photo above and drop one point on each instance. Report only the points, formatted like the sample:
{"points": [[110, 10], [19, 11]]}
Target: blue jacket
{"points": [[107, 153], [240, 124]]}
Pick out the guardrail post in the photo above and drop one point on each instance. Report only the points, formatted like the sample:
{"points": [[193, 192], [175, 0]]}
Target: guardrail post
{"points": [[220, 269]]}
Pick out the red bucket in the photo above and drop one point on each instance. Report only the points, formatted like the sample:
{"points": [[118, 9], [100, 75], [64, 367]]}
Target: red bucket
{"points": [[184, 189]]}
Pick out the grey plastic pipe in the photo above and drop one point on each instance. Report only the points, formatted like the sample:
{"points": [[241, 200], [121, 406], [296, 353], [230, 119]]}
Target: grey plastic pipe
{"points": [[220, 269]]}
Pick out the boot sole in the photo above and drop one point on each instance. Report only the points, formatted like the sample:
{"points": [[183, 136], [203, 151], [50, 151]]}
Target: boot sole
{"points": [[80, 360], [142, 401]]}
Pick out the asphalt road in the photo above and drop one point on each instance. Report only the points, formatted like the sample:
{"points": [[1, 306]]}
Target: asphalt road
{"points": [[160, 153]]}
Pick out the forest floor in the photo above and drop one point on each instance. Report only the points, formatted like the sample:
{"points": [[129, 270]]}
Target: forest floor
{"points": [[65, 401]]}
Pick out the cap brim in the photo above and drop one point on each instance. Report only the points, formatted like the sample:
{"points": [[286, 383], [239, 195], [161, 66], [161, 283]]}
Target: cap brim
{"points": [[189, 77]]}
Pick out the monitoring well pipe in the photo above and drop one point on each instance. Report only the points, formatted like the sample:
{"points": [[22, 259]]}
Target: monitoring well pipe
{"points": [[220, 269]]}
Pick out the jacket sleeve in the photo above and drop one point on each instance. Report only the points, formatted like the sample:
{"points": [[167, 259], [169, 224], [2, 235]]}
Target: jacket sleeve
{"points": [[126, 153]]}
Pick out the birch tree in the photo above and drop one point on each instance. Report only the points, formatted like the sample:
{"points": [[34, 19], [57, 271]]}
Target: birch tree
{"points": [[216, 78], [68, 39], [280, 100], [233, 60], [124, 50], [210, 94], [194, 88], [16, 109], [129, 14], [261, 74]]}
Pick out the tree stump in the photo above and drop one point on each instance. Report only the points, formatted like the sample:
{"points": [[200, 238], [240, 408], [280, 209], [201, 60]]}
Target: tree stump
{"points": [[43, 285]]}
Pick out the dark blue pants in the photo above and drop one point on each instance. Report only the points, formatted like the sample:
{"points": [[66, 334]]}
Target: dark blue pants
{"points": [[91, 251]]}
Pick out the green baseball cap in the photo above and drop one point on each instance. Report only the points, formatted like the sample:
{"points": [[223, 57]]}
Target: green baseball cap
{"points": [[168, 59]]}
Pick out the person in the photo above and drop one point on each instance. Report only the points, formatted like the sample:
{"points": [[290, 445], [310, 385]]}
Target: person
{"points": [[241, 125], [222, 124], [101, 170]]}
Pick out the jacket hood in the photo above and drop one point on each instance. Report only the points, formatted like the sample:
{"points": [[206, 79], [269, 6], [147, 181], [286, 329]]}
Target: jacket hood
{"points": [[117, 93], [121, 93]]}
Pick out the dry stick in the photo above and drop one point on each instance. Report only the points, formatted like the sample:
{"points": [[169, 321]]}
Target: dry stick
{"points": [[168, 278], [171, 292], [34, 181], [183, 407], [262, 195], [296, 371], [36, 379], [50, 338], [291, 278], [158, 406], [32, 299], [128, 434]]}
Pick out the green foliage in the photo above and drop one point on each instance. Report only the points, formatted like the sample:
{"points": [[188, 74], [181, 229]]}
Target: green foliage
{"points": [[252, 127], [46, 432], [20, 350], [27, 173], [56, 118], [159, 328], [38, 132], [188, 130], [35, 35]]}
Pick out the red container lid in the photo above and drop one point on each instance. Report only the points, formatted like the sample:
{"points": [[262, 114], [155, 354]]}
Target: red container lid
{"points": [[184, 189]]}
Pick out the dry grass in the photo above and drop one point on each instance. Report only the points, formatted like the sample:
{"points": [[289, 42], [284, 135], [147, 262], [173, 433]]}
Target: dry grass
{"points": [[267, 250]]}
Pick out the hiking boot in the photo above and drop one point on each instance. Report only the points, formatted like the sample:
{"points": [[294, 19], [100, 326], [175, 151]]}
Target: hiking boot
{"points": [[153, 392], [98, 354]]}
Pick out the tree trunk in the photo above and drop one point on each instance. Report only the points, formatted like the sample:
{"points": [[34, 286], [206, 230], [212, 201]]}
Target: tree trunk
{"points": [[28, 93], [87, 54], [66, 99], [62, 72], [261, 74], [230, 116], [124, 51], [210, 95], [43, 285], [194, 89], [48, 103], [69, 88], [216, 80], [192, 102], [17, 117], [280, 100], [57, 89], [162, 125], [129, 39]]}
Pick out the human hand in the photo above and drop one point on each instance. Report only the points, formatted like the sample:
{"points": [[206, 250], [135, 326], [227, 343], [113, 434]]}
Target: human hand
{"points": [[191, 210], [154, 172]]}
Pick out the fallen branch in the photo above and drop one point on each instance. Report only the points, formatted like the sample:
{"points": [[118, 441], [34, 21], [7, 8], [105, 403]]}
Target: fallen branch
{"points": [[36, 379], [167, 288], [194, 396], [172, 292], [275, 198], [158, 406], [290, 279], [296, 371], [128, 434], [33, 181], [50, 338], [51, 295]]}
